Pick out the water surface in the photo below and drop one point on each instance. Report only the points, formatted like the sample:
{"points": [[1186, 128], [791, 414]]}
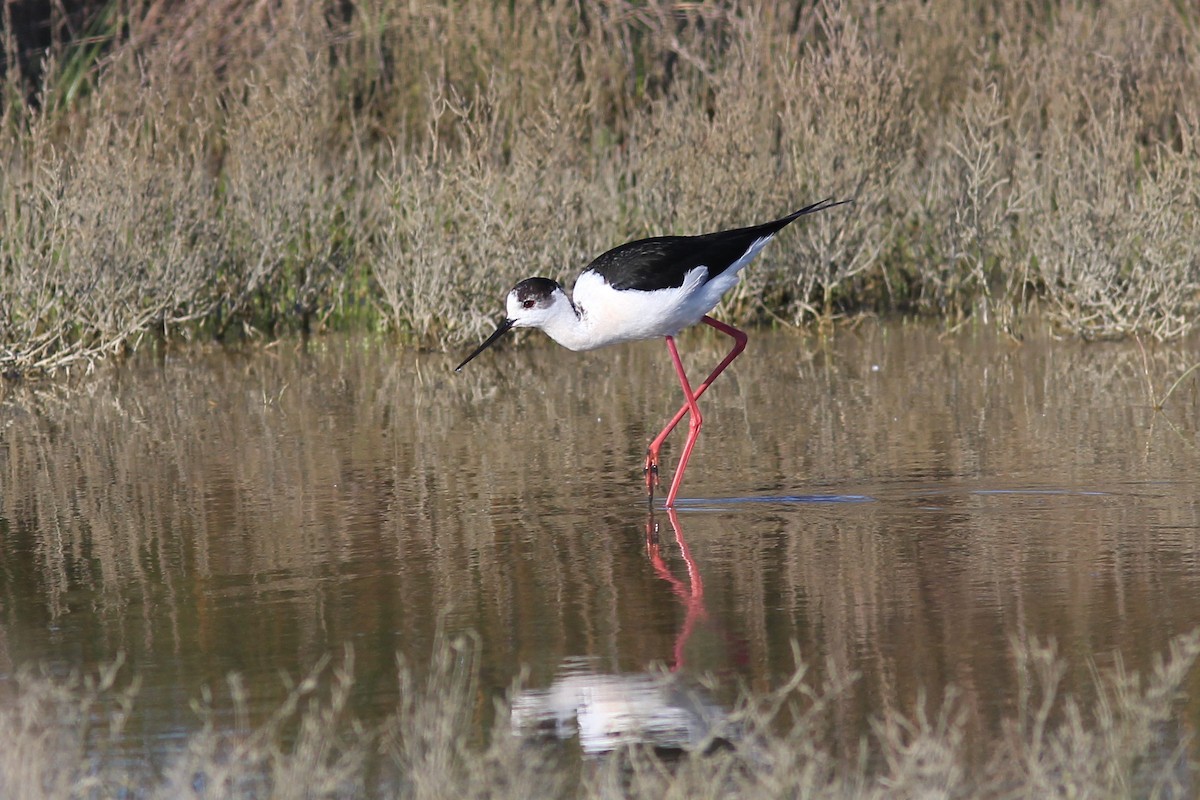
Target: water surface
{"points": [[895, 501]]}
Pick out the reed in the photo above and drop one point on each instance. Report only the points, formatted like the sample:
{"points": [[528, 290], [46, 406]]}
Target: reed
{"points": [[247, 168]]}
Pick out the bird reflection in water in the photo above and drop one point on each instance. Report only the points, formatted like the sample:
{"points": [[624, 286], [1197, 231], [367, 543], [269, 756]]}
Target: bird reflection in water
{"points": [[658, 708]]}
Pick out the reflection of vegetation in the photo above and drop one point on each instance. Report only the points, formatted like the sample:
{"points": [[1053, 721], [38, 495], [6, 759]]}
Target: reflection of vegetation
{"points": [[431, 746], [202, 169], [1162, 401], [169, 510]]}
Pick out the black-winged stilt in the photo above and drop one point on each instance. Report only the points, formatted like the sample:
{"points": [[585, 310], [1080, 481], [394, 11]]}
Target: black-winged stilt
{"points": [[643, 290]]}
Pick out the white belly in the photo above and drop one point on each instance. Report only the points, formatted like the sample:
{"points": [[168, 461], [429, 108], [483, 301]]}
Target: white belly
{"points": [[612, 316]]}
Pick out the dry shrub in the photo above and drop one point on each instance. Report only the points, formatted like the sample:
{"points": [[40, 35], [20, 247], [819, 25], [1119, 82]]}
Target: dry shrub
{"points": [[259, 166], [289, 204], [1116, 245], [848, 121], [1110, 234], [461, 228], [1125, 744], [52, 728], [1121, 744], [307, 747], [91, 262]]}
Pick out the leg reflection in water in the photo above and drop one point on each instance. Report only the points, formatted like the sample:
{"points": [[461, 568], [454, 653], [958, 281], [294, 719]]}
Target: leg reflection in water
{"points": [[690, 594], [607, 711]]}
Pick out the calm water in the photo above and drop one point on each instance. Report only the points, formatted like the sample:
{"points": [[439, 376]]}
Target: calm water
{"points": [[895, 502]]}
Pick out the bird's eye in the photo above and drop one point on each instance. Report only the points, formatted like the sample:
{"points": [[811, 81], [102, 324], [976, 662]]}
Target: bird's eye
{"points": [[528, 304]]}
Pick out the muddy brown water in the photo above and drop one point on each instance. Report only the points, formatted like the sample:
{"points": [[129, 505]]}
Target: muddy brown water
{"points": [[894, 500]]}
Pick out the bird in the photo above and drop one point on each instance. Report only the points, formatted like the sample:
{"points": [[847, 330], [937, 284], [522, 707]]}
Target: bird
{"points": [[646, 289]]}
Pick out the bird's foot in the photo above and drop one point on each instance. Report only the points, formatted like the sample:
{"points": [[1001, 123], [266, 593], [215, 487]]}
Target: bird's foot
{"points": [[650, 472]]}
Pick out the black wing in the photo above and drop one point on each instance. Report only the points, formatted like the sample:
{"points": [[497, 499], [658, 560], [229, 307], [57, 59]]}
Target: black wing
{"points": [[663, 261]]}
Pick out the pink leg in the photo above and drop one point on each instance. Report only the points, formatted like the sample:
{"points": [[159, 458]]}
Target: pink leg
{"points": [[689, 406], [694, 601], [691, 595], [695, 421]]}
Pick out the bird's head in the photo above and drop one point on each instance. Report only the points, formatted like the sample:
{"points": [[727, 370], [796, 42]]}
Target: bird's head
{"points": [[531, 304]]}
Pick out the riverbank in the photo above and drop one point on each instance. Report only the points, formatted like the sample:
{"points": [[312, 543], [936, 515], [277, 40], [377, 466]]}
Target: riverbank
{"points": [[237, 170]]}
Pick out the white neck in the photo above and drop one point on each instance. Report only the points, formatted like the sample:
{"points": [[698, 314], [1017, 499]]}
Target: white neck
{"points": [[566, 326]]}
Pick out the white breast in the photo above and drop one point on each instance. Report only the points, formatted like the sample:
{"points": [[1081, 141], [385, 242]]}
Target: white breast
{"points": [[611, 316]]}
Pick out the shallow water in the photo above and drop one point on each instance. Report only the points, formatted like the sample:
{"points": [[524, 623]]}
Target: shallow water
{"points": [[895, 501]]}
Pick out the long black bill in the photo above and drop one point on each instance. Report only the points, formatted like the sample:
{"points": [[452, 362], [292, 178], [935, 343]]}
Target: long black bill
{"points": [[503, 329]]}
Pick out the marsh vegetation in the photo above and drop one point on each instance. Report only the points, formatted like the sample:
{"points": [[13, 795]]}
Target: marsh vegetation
{"points": [[180, 171], [60, 738], [181, 532]]}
